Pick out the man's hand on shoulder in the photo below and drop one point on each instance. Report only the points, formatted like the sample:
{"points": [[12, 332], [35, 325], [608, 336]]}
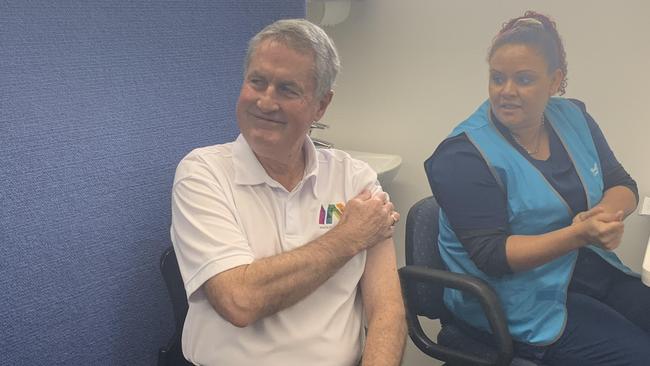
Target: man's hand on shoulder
{"points": [[367, 220]]}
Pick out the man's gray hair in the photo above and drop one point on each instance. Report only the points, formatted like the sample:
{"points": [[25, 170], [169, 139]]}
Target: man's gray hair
{"points": [[302, 35]]}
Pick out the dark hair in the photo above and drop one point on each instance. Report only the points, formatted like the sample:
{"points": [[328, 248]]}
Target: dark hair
{"points": [[539, 31]]}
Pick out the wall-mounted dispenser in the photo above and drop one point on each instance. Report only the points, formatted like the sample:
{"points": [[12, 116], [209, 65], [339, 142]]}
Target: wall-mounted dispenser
{"points": [[328, 12]]}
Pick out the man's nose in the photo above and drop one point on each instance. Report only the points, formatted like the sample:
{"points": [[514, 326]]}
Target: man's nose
{"points": [[266, 101]]}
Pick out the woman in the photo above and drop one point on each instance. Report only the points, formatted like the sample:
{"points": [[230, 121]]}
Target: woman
{"points": [[536, 209]]}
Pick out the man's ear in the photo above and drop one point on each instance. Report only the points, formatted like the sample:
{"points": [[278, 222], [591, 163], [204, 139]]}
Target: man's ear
{"points": [[323, 104]]}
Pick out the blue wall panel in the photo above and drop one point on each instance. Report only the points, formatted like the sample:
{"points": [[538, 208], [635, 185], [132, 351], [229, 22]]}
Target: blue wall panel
{"points": [[99, 100]]}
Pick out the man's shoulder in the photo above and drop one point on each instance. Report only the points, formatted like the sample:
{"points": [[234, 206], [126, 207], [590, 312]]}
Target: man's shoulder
{"points": [[206, 158], [212, 152], [354, 174], [340, 159]]}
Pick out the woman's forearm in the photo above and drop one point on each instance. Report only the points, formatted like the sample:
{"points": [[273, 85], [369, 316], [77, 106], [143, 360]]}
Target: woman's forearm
{"points": [[618, 198], [525, 252], [598, 227]]}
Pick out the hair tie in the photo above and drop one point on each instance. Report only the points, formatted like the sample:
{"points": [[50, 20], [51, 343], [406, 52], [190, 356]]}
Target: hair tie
{"points": [[528, 22]]}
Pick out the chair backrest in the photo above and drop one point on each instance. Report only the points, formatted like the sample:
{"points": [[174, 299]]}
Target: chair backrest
{"points": [[172, 276], [422, 250], [172, 353]]}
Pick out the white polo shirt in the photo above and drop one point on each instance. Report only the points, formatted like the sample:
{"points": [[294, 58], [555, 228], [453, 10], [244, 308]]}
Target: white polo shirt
{"points": [[226, 212]]}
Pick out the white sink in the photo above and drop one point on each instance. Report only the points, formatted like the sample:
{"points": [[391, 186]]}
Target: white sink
{"points": [[386, 165]]}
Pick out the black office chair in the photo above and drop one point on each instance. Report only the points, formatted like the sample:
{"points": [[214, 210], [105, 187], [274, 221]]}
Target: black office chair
{"points": [[172, 353], [423, 279]]}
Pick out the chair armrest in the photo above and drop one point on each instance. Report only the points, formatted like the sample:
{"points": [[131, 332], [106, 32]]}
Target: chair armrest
{"points": [[465, 283]]}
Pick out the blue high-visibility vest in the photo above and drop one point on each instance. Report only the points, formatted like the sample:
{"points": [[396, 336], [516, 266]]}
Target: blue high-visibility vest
{"points": [[535, 300]]}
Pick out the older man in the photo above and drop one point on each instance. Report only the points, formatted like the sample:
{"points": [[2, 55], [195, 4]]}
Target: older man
{"points": [[284, 248]]}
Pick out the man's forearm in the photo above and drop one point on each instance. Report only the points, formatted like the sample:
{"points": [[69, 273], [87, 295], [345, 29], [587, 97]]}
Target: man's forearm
{"points": [[247, 293]]}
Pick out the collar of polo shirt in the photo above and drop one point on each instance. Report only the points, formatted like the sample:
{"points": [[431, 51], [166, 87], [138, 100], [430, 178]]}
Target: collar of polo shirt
{"points": [[249, 171]]}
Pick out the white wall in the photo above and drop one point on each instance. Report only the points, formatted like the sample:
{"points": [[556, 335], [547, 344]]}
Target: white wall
{"points": [[412, 69]]}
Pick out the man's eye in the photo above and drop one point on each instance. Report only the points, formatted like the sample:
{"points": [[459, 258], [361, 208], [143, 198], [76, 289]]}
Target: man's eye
{"points": [[289, 91], [256, 81]]}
